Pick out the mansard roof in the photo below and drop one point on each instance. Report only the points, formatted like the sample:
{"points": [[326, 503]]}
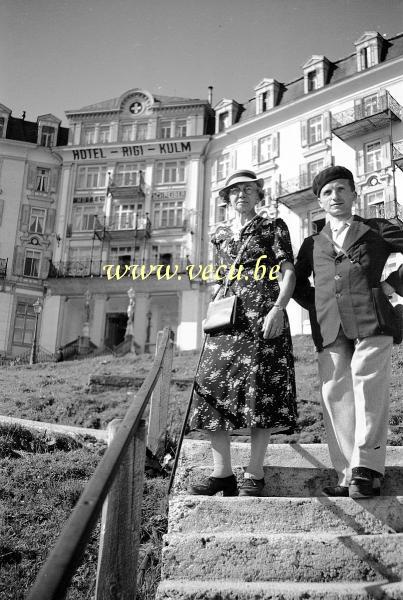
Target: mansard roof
{"points": [[339, 70]]}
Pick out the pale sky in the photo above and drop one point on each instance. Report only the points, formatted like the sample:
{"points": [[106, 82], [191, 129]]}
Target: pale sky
{"points": [[57, 55]]}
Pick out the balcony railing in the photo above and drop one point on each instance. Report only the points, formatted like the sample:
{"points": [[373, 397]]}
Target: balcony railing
{"points": [[382, 210], [3, 268], [398, 154], [364, 116]]}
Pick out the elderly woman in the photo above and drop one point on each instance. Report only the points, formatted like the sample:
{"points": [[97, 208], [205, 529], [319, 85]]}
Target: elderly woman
{"points": [[246, 377]]}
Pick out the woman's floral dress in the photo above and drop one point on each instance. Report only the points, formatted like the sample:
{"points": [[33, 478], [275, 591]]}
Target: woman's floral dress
{"points": [[245, 380]]}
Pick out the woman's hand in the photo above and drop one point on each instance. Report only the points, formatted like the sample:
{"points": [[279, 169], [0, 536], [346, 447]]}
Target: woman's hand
{"points": [[273, 323]]}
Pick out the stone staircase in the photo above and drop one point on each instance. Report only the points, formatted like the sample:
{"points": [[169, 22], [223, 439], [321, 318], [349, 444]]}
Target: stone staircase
{"points": [[292, 544]]}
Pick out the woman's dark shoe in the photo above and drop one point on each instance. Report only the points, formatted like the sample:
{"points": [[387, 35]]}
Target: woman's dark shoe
{"points": [[252, 487], [362, 483], [212, 485], [337, 491]]}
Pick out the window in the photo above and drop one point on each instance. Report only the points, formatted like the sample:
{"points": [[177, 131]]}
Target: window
{"points": [[370, 105], [223, 121], [165, 131], [48, 136], [85, 218], [37, 220], [180, 128], [171, 172], [123, 255], [168, 213], [266, 148], [2, 126], [42, 180], [128, 132], [24, 324], [367, 57], [375, 205], [221, 209], [89, 135], [142, 129], [315, 130], [314, 168], [31, 263], [128, 174], [104, 135], [373, 157], [125, 216], [91, 177], [223, 166], [313, 81]]}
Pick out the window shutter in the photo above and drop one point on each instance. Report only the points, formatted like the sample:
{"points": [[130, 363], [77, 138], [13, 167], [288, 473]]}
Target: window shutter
{"points": [[24, 219], [54, 179], [382, 100], [254, 152], [360, 162], [326, 125], [303, 175], [50, 220], [276, 144], [18, 260], [214, 171], [304, 133], [44, 267], [31, 177], [358, 111], [233, 160], [386, 159], [1, 209]]}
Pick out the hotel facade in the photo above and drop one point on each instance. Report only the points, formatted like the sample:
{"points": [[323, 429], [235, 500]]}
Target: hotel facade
{"points": [[137, 184]]}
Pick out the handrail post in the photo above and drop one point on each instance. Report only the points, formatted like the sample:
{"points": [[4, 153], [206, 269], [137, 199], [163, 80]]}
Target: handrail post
{"points": [[121, 523], [158, 417]]}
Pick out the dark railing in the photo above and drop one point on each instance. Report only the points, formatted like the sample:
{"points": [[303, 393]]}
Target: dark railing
{"points": [[3, 268], [119, 476], [95, 268], [382, 103], [296, 184], [383, 210], [134, 221]]}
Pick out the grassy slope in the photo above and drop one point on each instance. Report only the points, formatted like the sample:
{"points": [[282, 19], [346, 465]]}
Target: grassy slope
{"points": [[38, 489]]}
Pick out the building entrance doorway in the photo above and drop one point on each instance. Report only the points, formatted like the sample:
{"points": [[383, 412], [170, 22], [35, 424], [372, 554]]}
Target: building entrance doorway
{"points": [[115, 329]]}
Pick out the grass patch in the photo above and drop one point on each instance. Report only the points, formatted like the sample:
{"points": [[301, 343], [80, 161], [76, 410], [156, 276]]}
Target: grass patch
{"points": [[42, 475]]}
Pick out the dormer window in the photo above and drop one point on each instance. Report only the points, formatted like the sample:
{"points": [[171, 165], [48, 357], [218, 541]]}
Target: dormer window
{"points": [[267, 94], [89, 135], [226, 114], [369, 50], [48, 136], [2, 127], [48, 126], [4, 116], [316, 72]]}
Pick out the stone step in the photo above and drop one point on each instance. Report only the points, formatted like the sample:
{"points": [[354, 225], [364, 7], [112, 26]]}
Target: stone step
{"points": [[241, 590], [198, 452], [283, 557], [290, 481], [207, 515]]}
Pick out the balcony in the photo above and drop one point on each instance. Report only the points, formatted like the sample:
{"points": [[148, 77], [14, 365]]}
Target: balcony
{"points": [[369, 113], [297, 191], [125, 226], [3, 268], [398, 154], [382, 210], [94, 268]]}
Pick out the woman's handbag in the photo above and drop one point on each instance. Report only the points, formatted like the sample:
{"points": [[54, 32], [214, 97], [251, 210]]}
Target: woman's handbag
{"points": [[221, 314]]}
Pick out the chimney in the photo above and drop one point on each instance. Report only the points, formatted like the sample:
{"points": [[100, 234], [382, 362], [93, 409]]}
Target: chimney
{"points": [[210, 94]]}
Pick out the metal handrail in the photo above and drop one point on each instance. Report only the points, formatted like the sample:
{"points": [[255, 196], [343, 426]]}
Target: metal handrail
{"points": [[56, 574]]}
